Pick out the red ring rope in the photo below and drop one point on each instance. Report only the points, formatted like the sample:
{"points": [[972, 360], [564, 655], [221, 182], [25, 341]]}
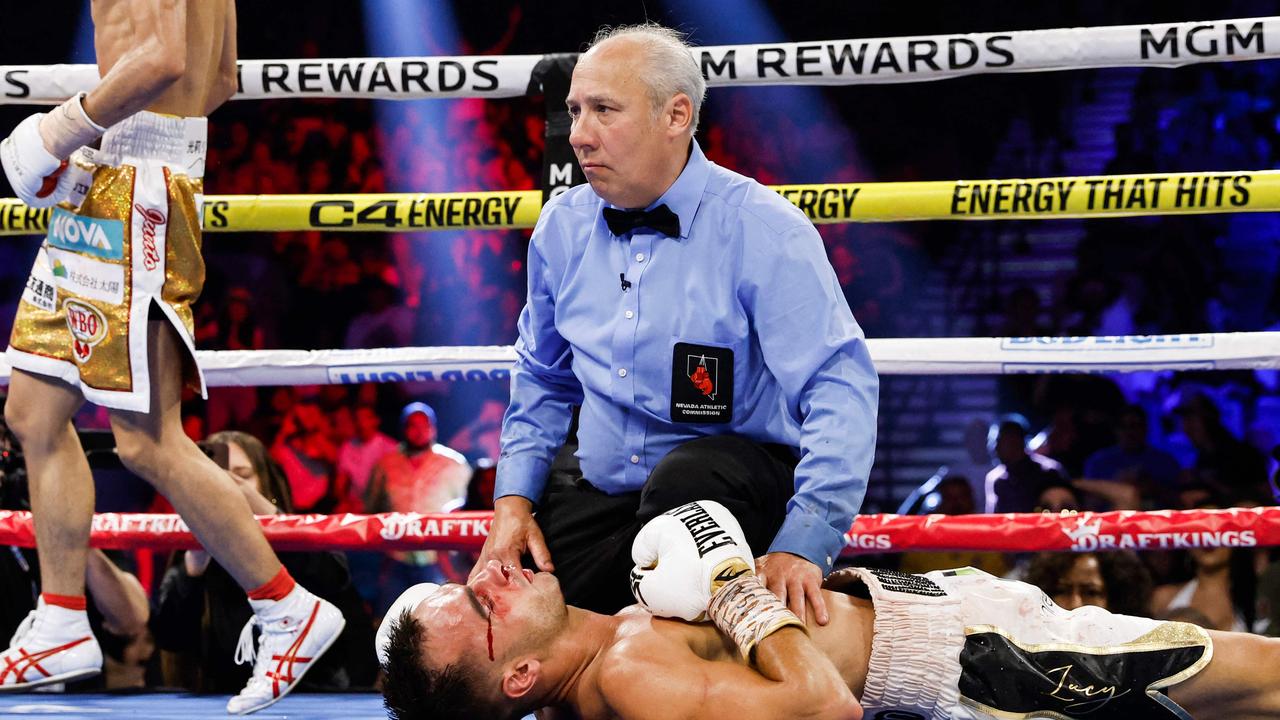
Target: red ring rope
{"points": [[1157, 530]]}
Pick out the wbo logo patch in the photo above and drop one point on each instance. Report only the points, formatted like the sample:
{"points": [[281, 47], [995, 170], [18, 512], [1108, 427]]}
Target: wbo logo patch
{"points": [[701, 384], [88, 328], [92, 236]]}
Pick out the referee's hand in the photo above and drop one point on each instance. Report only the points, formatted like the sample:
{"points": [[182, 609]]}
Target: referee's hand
{"points": [[513, 533], [797, 582]]}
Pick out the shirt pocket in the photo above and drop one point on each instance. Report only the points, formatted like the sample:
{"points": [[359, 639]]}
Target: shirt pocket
{"points": [[702, 381]]}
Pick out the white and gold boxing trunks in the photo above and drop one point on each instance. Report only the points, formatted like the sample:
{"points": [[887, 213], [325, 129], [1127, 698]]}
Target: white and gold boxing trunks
{"points": [[128, 239], [966, 645]]}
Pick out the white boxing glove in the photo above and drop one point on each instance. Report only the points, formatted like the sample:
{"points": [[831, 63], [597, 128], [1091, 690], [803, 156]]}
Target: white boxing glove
{"points": [[32, 171], [34, 155], [684, 556]]}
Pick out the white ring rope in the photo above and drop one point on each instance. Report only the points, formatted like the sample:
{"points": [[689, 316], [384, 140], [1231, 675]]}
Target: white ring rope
{"points": [[825, 62], [892, 356]]}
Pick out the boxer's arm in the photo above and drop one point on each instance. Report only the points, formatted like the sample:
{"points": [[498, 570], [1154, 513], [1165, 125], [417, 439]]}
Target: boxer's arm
{"points": [[228, 76], [156, 60], [118, 596], [792, 679]]}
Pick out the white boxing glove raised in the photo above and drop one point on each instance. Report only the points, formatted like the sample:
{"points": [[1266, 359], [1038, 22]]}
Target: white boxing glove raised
{"points": [[683, 556]]}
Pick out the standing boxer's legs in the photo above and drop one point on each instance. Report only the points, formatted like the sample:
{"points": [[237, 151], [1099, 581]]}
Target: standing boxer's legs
{"points": [[39, 411], [154, 446], [297, 627], [54, 643]]}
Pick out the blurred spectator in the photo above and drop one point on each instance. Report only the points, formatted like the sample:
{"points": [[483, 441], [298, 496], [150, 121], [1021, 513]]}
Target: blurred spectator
{"points": [[1231, 467], [279, 402], [1106, 495], [1022, 314], [1015, 484], [1115, 581], [418, 476], [480, 437], [1269, 598], [1061, 440], [1223, 587], [1221, 583], [480, 489], [955, 498], [306, 453], [1133, 461], [201, 611], [1081, 412], [1090, 297], [235, 328], [357, 457], [385, 322], [1057, 496]]}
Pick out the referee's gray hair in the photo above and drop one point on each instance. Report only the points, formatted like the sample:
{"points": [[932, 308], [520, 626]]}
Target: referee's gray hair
{"points": [[669, 65]]}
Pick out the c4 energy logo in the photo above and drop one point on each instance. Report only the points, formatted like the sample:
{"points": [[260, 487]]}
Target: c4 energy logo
{"points": [[92, 236]]}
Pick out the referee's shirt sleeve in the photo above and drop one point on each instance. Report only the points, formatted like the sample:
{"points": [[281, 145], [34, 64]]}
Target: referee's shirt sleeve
{"points": [[816, 351], [543, 386]]}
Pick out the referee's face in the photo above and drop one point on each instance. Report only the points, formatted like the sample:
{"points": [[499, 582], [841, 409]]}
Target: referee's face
{"points": [[629, 150]]}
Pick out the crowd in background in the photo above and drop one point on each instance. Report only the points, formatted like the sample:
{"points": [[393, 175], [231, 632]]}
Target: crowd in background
{"points": [[1106, 462]]}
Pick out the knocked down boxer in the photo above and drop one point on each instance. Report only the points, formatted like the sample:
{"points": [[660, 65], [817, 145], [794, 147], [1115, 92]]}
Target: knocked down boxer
{"points": [[951, 644]]}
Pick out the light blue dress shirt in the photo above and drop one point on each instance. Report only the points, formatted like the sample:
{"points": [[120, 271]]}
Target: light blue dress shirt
{"points": [[748, 273]]}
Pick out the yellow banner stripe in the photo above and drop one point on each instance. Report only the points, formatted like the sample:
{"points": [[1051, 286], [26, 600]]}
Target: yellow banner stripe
{"points": [[389, 212], [1042, 198]]}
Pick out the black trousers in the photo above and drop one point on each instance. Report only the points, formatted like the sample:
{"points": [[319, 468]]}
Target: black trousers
{"points": [[589, 533]]}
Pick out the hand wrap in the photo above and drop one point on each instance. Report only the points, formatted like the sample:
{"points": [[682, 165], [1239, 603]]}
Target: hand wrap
{"points": [[747, 611]]}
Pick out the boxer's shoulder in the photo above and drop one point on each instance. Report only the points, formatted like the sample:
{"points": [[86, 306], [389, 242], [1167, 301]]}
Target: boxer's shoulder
{"points": [[643, 666]]}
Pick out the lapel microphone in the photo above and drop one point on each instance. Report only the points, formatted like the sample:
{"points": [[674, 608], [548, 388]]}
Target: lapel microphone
{"points": [[626, 284]]}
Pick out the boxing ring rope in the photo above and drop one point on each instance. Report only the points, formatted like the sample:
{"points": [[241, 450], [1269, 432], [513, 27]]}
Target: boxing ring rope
{"points": [[1003, 199], [892, 356], [1010, 532], [825, 62]]}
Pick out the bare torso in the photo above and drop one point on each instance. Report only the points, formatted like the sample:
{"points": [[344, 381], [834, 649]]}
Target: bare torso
{"points": [[209, 37], [846, 641]]}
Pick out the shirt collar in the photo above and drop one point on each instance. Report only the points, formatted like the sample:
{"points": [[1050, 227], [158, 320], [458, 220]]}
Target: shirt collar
{"points": [[685, 194]]}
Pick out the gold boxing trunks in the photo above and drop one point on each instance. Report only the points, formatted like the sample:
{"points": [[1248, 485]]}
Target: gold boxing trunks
{"points": [[127, 239]]}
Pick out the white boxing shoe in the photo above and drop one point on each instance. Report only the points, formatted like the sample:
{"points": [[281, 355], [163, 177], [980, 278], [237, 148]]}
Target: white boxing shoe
{"points": [[52, 645], [294, 632]]}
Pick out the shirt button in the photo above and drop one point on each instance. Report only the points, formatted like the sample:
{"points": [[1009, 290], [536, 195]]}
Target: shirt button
{"points": [[635, 459], [628, 314], [622, 372], [639, 257]]}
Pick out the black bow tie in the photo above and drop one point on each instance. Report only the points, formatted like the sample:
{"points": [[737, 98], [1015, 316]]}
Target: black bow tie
{"points": [[660, 218]]}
